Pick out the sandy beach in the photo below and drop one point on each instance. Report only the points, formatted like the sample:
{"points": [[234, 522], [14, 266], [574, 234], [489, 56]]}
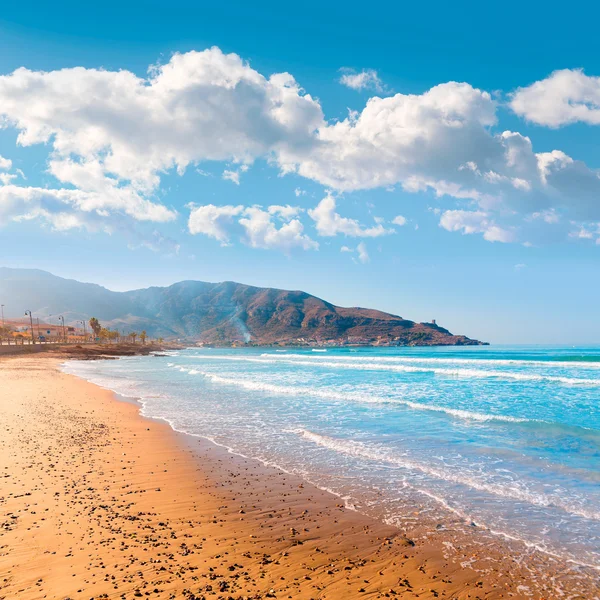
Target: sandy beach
{"points": [[99, 502]]}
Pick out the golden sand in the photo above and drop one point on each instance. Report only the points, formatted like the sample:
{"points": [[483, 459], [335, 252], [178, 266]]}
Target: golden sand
{"points": [[99, 502]]}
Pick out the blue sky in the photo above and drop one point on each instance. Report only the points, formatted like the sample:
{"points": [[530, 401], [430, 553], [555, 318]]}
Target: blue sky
{"points": [[364, 176]]}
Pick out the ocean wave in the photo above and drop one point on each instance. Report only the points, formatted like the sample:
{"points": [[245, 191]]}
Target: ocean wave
{"points": [[307, 392], [456, 361], [514, 491], [397, 368]]}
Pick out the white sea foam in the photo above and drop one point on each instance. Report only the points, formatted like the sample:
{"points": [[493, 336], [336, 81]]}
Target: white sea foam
{"points": [[435, 478], [379, 366], [307, 392], [453, 361], [515, 490]]}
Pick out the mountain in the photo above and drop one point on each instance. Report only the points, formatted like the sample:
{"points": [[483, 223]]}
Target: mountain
{"points": [[213, 312]]}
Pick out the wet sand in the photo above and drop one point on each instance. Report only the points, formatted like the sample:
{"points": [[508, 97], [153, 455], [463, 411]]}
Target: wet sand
{"points": [[99, 502]]}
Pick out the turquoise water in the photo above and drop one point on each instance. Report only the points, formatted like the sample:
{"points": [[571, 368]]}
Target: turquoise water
{"points": [[507, 438]]}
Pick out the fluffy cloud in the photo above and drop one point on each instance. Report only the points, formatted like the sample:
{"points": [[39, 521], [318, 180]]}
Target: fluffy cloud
{"points": [[234, 176], [213, 221], [199, 106], [68, 208], [475, 222], [363, 255], [414, 139], [583, 233], [255, 226], [366, 79], [567, 96], [284, 212], [5, 163], [360, 250], [444, 141], [261, 232], [112, 135], [7, 178], [399, 220], [330, 223]]}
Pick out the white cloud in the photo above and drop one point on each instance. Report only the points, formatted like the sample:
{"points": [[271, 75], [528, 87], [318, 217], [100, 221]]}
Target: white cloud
{"points": [[111, 131], [416, 140], [256, 226], [363, 255], [213, 221], [199, 106], [582, 234], [586, 233], [112, 135], [469, 222], [366, 79], [442, 140], [261, 232], [520, 266], [6, 178], [299, 192], [234, 176], [547, 216], [5, 163], [564, 97], [284, 212], [82, 206], [361, 250], [399, 220], [329, 223]]}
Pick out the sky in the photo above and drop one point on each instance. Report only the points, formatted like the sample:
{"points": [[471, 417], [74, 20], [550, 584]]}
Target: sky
{"points": [[435, 161]]}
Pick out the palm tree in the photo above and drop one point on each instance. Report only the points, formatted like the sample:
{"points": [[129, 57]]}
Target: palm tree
{"points": [[96, 327], [143, 337], [133, 335]]}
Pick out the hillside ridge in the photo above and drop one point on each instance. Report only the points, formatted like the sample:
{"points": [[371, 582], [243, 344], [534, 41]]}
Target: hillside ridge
{"points": [[215, 313]]}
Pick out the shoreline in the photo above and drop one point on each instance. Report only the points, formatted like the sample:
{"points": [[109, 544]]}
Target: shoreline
{"points": [[254, 530], [458, 518]]}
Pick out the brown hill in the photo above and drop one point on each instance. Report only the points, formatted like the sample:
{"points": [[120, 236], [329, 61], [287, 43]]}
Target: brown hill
{"points": [[218, 313]]}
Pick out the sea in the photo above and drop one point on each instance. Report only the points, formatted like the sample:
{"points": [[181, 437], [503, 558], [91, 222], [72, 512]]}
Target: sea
{"points": [[506, 439]]}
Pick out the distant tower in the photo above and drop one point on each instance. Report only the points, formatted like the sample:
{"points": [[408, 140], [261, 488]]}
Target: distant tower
{"points": [[433, 322]]}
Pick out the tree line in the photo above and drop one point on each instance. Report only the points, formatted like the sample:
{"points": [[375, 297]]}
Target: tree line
{"points": [[99, 334], [104, 334]]}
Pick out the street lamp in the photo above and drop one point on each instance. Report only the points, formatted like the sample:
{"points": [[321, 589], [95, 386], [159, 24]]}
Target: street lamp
{"points": [[28, 312], [2, 305], [62, 319], [84, 333]]}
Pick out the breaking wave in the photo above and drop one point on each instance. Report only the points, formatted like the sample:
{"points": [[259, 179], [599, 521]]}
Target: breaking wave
{"points": [[398, 368], [304, 391], [513, 490], [453, 361]]}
